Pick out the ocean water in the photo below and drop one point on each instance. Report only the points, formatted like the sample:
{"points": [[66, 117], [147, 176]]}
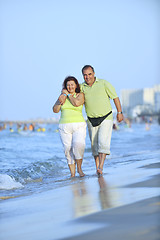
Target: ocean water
{"points": [[34, 162]]}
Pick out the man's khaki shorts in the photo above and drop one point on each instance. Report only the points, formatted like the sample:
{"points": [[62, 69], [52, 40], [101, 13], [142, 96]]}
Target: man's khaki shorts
{"points": [[100, 137]]}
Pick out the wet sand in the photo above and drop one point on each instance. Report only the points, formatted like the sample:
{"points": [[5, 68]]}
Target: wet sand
{"points": [[140, 221], [89, 208]]}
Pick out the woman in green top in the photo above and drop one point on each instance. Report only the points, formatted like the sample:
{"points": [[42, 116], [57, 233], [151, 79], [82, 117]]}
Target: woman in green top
{"points": [[72, 126]]}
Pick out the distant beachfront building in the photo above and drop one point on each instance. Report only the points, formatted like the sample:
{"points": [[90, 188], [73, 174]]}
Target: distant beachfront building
{"points": [[131, 98], [145, 100], [157, 101], [157, 98]]}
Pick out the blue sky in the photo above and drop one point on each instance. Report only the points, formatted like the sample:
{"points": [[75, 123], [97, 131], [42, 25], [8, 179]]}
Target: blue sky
{"points": [[43, 41]]}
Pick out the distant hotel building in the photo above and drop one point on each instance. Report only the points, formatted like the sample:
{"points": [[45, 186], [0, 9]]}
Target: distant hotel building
{"points": [[141, 101]]}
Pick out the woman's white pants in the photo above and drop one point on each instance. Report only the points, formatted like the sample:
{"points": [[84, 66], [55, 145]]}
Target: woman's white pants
{"points": [[73, 139]]}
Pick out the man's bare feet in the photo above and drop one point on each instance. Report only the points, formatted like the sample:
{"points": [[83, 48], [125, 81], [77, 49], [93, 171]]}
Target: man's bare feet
{"points": [[99, 171]]}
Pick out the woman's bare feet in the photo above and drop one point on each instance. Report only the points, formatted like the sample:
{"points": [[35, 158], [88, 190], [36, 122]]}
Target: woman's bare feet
{"points": [[72, 169], [81, 173], [79, 169]]}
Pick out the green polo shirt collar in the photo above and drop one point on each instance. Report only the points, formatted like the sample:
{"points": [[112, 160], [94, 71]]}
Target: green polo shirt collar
{"points": [[96, 80]]}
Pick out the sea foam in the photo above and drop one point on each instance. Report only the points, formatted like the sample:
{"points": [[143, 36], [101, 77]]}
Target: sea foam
{"points": [[7, 182]]}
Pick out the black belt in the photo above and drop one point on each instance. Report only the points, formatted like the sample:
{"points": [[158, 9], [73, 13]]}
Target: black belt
{"points": [[97, 121]]}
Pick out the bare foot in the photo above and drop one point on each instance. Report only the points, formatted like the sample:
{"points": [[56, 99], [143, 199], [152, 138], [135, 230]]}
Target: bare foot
{"points": [[72, 175], [81, 173], [99, 171]]}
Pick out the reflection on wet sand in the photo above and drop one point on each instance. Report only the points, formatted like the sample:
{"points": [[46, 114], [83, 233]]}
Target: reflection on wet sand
{"points": [[103, 193], [84, 201]]}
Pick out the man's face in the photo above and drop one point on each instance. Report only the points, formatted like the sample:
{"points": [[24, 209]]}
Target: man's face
{"points": [[88, 75]]}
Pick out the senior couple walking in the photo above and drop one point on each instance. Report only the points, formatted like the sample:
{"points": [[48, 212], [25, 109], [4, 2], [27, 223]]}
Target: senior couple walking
{"points": [[95, 94]]}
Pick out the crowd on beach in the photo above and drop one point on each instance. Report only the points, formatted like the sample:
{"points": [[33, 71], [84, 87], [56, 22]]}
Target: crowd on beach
{"points": [[35, 127], [31, 127]]}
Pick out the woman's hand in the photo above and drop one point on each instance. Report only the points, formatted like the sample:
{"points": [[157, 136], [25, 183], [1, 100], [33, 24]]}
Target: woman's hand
{"points": [[62, 99]]}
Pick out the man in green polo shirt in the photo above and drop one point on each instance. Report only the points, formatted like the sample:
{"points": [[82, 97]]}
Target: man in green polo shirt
{"points": [[98, 93]]}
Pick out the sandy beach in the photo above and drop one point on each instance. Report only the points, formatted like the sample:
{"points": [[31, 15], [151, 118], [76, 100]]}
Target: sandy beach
{"points": [[89, 208], [140, 220]]}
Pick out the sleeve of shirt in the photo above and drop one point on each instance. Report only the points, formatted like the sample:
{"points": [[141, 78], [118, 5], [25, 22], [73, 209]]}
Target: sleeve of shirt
{"points": [[110, 90], [81, 87]]}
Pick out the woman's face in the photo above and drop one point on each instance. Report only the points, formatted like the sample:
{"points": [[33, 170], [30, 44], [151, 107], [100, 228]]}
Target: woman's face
{"points": [[71, 86]]}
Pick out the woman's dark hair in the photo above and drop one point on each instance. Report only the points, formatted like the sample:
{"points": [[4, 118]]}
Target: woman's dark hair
{"points": [[71, 78]]}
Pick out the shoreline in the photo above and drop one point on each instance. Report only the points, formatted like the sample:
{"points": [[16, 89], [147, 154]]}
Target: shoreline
{"points": [[90, 208]]}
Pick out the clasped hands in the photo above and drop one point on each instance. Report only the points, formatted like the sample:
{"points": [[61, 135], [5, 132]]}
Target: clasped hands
{"points": [[62, 97]]}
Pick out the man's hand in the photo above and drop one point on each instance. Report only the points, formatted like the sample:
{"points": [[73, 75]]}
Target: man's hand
{"points": [[65, 91], [120, 117], [119, 109]]}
